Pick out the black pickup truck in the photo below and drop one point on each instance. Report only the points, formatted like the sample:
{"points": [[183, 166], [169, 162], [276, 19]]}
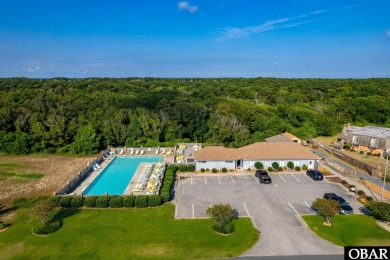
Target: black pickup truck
{"points": [[263, 176]]}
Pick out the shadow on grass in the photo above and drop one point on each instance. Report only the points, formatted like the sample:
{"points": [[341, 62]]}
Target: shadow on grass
{"points": [[65, 213]]}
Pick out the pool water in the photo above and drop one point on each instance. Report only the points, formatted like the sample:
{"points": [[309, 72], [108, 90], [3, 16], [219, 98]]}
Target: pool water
{"points": [[115, 178]]}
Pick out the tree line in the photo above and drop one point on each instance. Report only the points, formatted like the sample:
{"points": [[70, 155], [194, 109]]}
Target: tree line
{"points": [[81, 116]]}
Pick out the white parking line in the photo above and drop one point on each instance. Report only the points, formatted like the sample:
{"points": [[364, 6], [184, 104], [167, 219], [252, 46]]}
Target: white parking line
{"points": [[193, 211], [295, 177], [232, 179], [309, 177], [205, 181], [292, 208], [282, 178], [247, 212], [219, 180], [255, 179], [307, 204]]}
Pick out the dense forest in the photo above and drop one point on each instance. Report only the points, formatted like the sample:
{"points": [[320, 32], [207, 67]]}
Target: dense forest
{"points": [[81, 116]]}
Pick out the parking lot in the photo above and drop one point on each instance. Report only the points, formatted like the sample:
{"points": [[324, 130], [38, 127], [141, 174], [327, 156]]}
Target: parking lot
{"points": [[274, 208]]}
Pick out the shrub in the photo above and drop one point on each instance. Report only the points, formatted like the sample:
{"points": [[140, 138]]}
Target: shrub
{"points": [[361, 152], [344, 182], [172, 167], [116, 202], [191, 168], [165, 196], [270, 169], [275, 165], [297, 168], [154, 201], [182, 168], [360, 192], [52, 227], [290, 165], [168, 183], [141, 201], [284, 167], [228, 229], [214, 170], [65, 201], [249, 169], [224, 170], [369, 198], [102, 202], [77, 202], [378, 155], [169, 173], [207, 169], [202, 170], [347, 146], [23, 202], [369, 153], [259, 165], [304, 167], [56, 201], [280, 169], [90, 201], [128, 201], [380, 210], [352, 186]]}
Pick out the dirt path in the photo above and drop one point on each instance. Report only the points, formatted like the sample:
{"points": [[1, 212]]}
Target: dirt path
{"points": [[57, 171]]}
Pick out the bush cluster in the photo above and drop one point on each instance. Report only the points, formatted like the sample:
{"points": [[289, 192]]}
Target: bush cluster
{"points": [[304, 167], [182, 168], [228, 229], [141, 201], [77, 202], [168, 182], [275, 165], [52, 227], [116, 202], [380, 210], [270, 169], [154, 201], [297, 168], [290, 165], [214, 170], [224, 170], [259, 165], [128, 201], [102, 202], [202, 170], [191, 168]]}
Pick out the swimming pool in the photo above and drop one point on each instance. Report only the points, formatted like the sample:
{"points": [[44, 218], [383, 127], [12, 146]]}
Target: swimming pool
{"points": [[114, 179]]}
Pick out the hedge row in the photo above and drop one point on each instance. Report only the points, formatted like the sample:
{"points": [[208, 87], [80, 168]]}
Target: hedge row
{"points": [[169, 180], [141, 201]]}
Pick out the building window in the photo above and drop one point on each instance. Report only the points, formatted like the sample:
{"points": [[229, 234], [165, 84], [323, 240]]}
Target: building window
{"points": [[355, 139], [374, 143], [310, 162], [228, 161], [201, 161]]}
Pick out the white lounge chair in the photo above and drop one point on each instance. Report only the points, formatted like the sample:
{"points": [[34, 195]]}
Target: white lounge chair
{"points": [[163, 152], [98, 166], [132, 152], [156, 151], [136, 151], [121, 152], [142, 152], [94, 168]]}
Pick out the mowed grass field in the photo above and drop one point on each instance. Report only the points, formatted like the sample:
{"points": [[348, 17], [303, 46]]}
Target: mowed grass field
{"points": [[126, 234], [350, 230]]}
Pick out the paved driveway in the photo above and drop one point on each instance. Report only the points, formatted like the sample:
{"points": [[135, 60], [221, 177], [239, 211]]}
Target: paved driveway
{"points": [[274, 208]]}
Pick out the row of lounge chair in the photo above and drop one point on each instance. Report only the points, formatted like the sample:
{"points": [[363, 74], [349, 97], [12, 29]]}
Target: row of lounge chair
{"points": [[144, 178], [96, 167]]}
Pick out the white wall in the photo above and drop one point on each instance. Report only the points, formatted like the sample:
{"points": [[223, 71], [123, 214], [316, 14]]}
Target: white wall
{"points": [[268, 163], [230, 165]]}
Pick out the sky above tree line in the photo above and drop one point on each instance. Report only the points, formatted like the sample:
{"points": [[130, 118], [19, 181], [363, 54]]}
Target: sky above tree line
{"points": [[196, 38]]}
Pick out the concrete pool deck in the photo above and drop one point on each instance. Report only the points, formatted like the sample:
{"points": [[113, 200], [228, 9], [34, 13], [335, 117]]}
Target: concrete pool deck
{"points": [[131, 185]]}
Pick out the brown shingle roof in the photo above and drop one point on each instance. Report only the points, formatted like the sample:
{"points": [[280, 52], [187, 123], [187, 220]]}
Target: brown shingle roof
{"points": [[290, 136], [278, 138], [260, 151]]}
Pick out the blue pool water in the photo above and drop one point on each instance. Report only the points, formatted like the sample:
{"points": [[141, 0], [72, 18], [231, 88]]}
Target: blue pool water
{"points": [[116, 176]]}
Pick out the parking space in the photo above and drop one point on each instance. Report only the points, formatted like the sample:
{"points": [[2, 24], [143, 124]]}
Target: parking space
{"points": [[273, 207]]}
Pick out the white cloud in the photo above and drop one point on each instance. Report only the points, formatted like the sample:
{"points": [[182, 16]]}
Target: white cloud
{"points": [[320, 11], [184, 5], [388, 33]]}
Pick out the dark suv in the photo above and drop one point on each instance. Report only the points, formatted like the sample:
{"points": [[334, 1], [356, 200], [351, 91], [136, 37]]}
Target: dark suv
{"points": [[344, 205], [263, 176], [315, 175]]}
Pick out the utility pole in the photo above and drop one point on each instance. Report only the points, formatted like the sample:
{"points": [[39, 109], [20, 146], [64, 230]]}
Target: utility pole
{"points": [[384, 178]]}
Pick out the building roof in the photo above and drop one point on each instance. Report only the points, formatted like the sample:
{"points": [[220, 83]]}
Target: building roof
{"points": [[278, 138], [256, 151], [290, 136], [370, 131]]}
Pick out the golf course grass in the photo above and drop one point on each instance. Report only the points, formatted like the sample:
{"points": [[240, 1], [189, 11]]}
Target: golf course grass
{"points": [[126, 233], [350, 230]]}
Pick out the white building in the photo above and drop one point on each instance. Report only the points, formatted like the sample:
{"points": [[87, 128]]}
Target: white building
{"points": [[245, 157]]}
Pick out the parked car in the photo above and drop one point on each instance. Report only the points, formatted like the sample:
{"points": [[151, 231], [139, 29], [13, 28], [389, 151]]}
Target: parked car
{"points": [[263, 176], [315, 175], [344, 205]]}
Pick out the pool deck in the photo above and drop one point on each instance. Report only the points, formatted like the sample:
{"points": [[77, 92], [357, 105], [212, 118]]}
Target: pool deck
{"points": [[129, 189]]}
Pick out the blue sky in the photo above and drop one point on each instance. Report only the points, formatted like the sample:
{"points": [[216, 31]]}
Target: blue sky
{"points": [[202, 38]]}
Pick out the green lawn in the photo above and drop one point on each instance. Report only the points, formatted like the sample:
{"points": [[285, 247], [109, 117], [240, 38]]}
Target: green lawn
{"points": [[126, 233], [350, 230]]}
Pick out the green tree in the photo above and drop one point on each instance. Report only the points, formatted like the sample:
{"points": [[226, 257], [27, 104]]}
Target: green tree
{"points": [[86, 141], [327, 208], [222, 214], [259, 165], [380, 210]]}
